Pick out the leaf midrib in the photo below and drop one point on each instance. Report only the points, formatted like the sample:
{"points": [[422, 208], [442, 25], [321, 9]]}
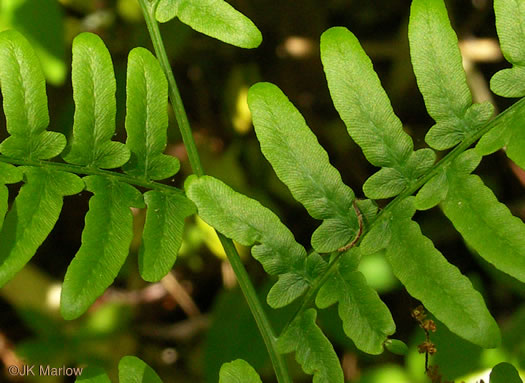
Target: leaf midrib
{"points": [[86, 170]]}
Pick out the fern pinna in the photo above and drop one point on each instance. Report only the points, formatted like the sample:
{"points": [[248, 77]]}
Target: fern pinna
{"points": [[108, 228], [301, 163], [351, 228]]}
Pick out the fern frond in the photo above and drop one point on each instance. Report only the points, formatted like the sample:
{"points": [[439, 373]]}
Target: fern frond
{"points": [[93, 375], [215, 18], [510, 82], [108, 230], [105, 245], [147, 118], [131, 369], [299, 161], [313, 351], [508, 133], [432, 192], [377, 238], [438, 67], [94, 90], [25, 102], [510, 26], [33, 216], [238, 371], [249, 223], [162, 236], [303, 165], [428, 276], [505, 373], [485, 223], [366, 111], [366, 319]]}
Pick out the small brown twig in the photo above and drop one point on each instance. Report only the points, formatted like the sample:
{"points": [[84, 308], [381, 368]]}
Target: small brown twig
{"points": [[181, 331], [427, 347], [172, 285], [359, 232], [146, 295]]}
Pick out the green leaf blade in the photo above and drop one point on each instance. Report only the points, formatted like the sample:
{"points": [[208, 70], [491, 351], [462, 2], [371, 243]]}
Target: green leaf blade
{"points": [[295, 283], [331, 235], [133, 370], [437, 60], [377, 238], [246, 221], [511, 32], [313, 350], [433, 192], [23, 84], [438, 67], [288, 287], [4, 195], [389, 182], [162, 236], [42, 146], [33, 216], [94, 90], [396, 346], [440, 286], [386, 183], [367, 113], [25, 101], [505, 373], [147, 118], [507, 132], [509, 82], [511, 29], [302, 164], [361, 101], [105, 244], [366, 319], [93, 375], [238, 371], [485, 223], [166, 10], [215, 18], [249, 223]]}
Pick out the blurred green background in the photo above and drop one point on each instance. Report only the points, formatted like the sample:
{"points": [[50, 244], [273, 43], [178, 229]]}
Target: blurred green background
{"points": [[196, 319]]}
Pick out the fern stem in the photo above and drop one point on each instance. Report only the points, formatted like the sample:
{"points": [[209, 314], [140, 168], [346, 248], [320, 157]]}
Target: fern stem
{"points": [[316, 285], [247, 288], [447, 160], [265, 328], [85, 170], [257, 311], [411, 189], [312, 290], [148, 10]]}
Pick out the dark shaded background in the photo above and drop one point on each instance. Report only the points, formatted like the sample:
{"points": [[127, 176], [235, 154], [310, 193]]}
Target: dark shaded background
{"points": [[186, 338]]}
